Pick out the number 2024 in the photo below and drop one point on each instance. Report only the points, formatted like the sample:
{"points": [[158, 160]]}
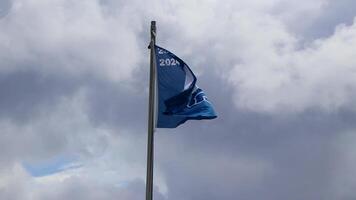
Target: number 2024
{"points": [[168, 62]]}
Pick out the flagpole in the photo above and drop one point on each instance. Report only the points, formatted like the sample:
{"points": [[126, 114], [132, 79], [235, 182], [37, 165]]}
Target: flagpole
{"points": [[151, 115]]}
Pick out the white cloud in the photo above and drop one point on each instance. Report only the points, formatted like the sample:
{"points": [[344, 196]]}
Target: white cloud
{"points": [[111, 161], [16, 184], [256, 47], [253, 39], [271, 67], [274, 75], [13, 184], [68, 37]]}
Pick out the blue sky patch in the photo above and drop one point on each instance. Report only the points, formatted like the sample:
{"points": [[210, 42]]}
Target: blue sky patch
{"points": [[51, 166]]}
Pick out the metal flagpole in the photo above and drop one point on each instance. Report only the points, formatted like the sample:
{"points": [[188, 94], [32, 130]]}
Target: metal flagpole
{"points": [[151, 115]]}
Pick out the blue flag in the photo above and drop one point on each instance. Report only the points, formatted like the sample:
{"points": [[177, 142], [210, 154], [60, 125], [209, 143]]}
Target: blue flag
{"points": [[179, 99]]}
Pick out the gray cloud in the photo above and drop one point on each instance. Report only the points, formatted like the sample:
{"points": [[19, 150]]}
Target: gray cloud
{"points": [[25, 92], [5, 6], [73, 81], [332, 14], [76, 188], [262, 156]]}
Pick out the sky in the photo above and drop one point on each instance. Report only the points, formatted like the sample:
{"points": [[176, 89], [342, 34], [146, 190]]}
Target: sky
{"points": [[74, 100]]}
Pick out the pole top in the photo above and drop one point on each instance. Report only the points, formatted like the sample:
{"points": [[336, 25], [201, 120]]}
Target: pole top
{"points": [[153, 27], [153, 34]]}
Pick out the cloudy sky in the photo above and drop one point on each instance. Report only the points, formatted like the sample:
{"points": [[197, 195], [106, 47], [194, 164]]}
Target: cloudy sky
{"points": [[74, 89]]}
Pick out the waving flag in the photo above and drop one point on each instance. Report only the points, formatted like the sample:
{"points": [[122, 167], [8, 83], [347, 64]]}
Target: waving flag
{"points": [[179, 99]]}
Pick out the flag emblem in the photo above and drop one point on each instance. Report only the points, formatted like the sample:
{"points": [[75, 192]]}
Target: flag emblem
{"points": [[179, 98]]}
